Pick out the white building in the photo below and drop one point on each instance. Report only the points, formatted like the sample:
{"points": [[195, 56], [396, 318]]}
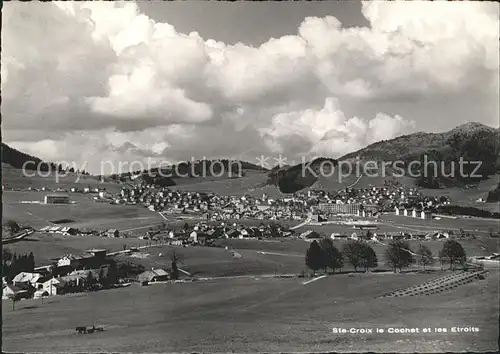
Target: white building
{"points": [[26, 278], [56, 199], [51, 287], [9, 291], [194, 236]]}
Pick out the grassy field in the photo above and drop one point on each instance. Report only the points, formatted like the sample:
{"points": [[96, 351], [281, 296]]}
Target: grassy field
{"points": [[294, 248], [85, 213], [468, 197], [393, 223], [251, 315], [14, 178], [474, 225], [218, 262], [255, 256]]}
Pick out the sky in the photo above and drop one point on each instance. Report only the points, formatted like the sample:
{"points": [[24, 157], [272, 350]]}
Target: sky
{"points": [[102, 83]]}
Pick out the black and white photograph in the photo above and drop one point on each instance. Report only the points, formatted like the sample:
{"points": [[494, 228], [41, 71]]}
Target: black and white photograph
{"points": [[250, 176]]}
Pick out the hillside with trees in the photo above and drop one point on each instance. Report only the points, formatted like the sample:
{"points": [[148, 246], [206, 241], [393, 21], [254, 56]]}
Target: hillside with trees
{"points": [[19, 160], [470, 142], [290, 179]]}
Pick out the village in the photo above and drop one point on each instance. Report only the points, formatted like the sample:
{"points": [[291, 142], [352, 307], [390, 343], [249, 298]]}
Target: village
{"points": [[299, 206], [357, 210]]}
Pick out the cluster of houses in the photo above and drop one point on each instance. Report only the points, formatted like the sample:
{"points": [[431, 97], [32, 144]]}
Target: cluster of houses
{"points": [[68, 273], [294, 207], [311, 235], [203, 234], [212, 206], [368, 202], [385, 198], [415, 212], [66, 230]]}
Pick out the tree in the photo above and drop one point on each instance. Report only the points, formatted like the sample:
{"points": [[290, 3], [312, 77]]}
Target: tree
{"points": [[6, 255], [453, 253], [274, 230], [368, 256], [315, 257], [90, 281], [31, 262], [186, 226], [425, 256], [12, 227], [352, 252], [112, 276], [333, 257], [13, 298], [102, 277], [398, 255], [175, 258]]}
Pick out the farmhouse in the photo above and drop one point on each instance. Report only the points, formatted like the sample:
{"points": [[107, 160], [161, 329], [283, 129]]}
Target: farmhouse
{"points": [[51, 287], [56, 199], [94, 259], [337, 236], [153, 275], [113, 233], [27, 278], [310, 235], [10, 291], [98, 253], [68, 261]]}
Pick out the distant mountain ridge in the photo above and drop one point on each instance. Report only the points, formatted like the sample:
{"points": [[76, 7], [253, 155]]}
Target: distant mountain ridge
{"points": [[412, 145], [18, 159], [472, 141]]}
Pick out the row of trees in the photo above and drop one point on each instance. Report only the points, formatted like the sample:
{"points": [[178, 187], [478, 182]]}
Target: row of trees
{"points": [[324, 255], [359, 254], [13, 263]]}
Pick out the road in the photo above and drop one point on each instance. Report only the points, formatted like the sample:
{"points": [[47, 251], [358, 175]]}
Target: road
{"points": [[18, 237]]}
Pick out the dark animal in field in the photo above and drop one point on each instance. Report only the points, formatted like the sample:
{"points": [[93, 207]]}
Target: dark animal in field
{"points": [[85, 330]]}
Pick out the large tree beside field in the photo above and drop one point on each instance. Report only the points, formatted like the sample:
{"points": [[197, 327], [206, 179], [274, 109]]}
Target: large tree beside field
{"points": [[425, 257], [333, 257], [175, 258], [360, 254], [452, 253], [368, 257], [315, 257], [398, 255]]}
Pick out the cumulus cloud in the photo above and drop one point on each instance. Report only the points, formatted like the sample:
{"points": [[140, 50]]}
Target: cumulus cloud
{"points": [[99, 80], [328, 131]]}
